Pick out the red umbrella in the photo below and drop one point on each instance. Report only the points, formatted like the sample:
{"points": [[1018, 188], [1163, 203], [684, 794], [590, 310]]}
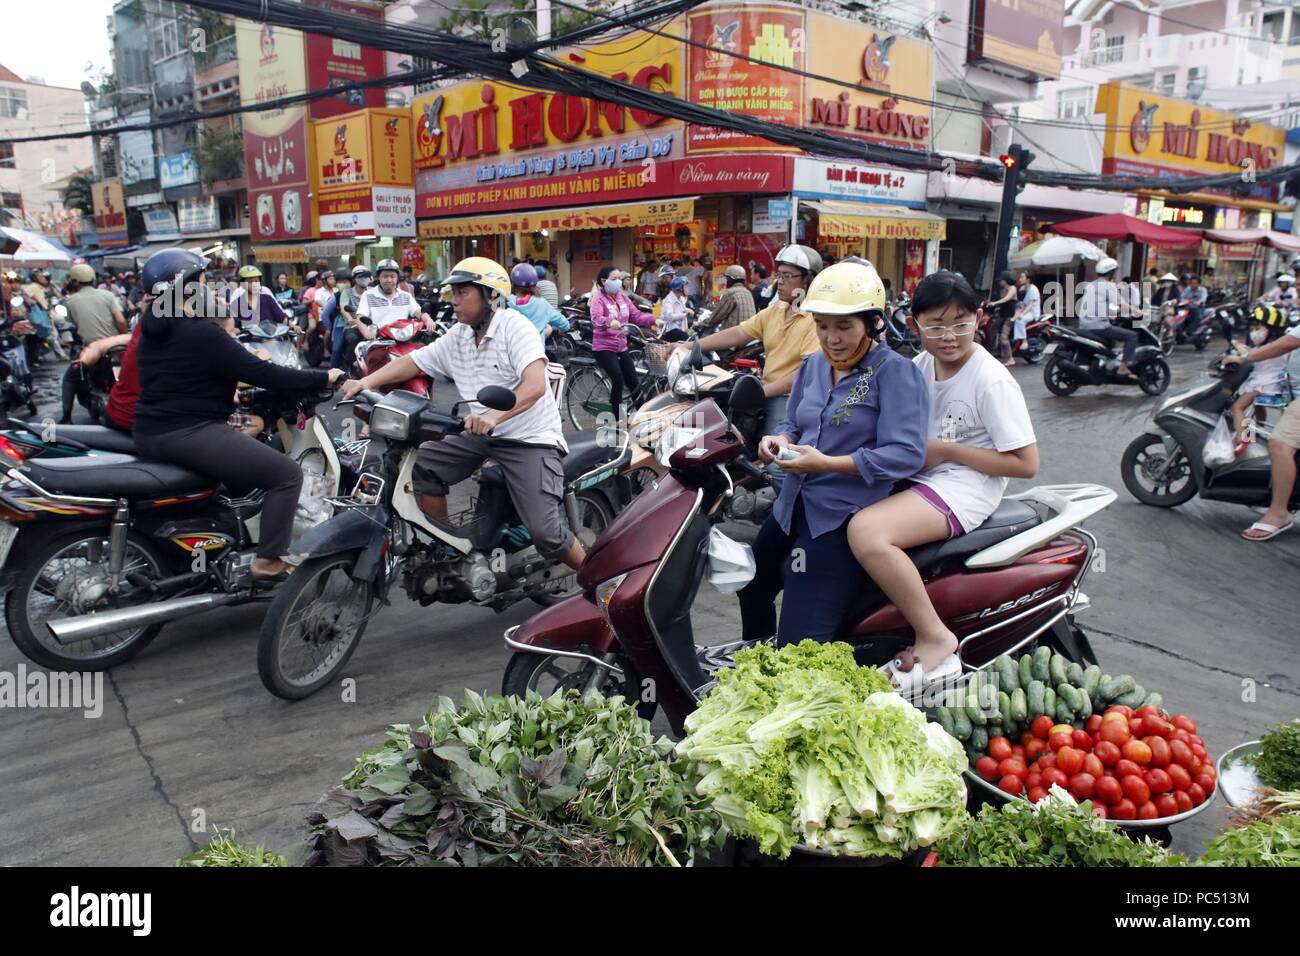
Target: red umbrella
{"points": [[1127, 229]]}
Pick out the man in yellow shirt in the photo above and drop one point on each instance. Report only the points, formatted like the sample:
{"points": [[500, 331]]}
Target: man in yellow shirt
{"points": [[786, 331]]}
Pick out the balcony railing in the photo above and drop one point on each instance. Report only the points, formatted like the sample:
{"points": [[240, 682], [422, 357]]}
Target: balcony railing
{"points": [[1172, 50]]}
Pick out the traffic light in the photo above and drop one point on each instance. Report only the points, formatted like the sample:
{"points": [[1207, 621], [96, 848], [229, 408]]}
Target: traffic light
{"points": [[1007, 161], [1014, 162]]}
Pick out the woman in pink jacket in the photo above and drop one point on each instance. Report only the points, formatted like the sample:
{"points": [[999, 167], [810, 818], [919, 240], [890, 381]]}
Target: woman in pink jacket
{"points": [[611, 311]]}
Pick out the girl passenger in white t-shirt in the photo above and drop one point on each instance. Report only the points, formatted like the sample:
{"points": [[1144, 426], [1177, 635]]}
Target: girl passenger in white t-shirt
{"points": [[980, 435]]}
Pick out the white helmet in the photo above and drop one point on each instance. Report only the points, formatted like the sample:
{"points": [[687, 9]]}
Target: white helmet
{"points": [[1106, 266], [388, 265], [801, 257], [1284, 277]]}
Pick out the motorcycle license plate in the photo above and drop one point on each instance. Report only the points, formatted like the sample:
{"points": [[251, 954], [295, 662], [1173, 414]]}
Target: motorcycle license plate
{"points": [[1050, 348], [7, 534]]}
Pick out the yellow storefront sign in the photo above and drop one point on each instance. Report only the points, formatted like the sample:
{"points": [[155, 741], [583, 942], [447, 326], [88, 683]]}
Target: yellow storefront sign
{"points": [[365, 148], [267, 254], [838, 220], [594, 217], [272, 65], [1147, 132], [110, 213]]}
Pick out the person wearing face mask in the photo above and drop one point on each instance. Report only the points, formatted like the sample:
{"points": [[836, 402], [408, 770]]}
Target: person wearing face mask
{"points": [[1268, 377], [1283, 292], [348, 329], [611, 312], [253, 302]]}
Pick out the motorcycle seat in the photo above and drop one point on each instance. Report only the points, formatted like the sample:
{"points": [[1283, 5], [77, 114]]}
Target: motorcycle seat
{"points": [[114, 476], [1010, 518], [99, 437], [1089, 334]]}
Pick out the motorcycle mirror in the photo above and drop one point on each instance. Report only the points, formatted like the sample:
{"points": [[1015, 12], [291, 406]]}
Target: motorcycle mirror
{"points": [[747, 396], [496, 397]]}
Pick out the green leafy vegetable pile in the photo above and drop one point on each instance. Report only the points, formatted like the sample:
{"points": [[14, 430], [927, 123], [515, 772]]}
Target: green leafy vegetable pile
{"points": [[510, 781], [802, 745], [1053, 832], [1273, 842], [222, 850], [1278, 760]]}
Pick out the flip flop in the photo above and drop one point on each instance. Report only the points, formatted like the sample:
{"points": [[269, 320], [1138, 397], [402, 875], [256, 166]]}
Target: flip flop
{"points": [[912, 683], [1271, 531]]}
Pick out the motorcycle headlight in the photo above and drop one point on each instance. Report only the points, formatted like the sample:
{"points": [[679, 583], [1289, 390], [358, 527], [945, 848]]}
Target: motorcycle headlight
{"points": [[677, 436], [686, 385], [392, 423], [605, 593]]}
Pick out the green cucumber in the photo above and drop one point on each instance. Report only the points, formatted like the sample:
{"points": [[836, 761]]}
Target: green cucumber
{"points": [[1042, 664], [1074, 674], [995, 729], [1025, 672], [1133, 698], [976, 713], [979, 739], [1056, 669], [1092, 680], [1007, 675], [1036, 690], [961, 725], [1069, 695], [1049, 702], [1085, 704], [1019, 706], [944, 716], [1004, 709], [1064, 715], [1112, 690], [1156, 701]]}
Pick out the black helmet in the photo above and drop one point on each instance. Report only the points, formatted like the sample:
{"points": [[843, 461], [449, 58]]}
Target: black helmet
{"points": [[164, 268], [343, 274]]}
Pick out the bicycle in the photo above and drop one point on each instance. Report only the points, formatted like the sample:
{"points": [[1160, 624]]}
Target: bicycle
{"points": [[586, 398]]}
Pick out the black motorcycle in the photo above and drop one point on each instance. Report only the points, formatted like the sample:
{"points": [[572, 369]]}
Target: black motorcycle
{"points": [[1165, 465], [1076, 357]]}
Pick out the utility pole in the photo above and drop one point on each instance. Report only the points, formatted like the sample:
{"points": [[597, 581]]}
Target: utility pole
{"points": [[543, 19], [1014, 162]]}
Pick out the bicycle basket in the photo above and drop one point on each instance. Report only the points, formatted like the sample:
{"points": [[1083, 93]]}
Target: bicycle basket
{"points": [[656, 357]]}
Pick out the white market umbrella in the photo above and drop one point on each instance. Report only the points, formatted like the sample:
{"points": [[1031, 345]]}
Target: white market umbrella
{"points": [[1054, 252], [34, 248]]}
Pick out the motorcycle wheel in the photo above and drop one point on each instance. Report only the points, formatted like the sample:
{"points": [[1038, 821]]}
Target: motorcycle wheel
{"points": [[546, 674], [1146, 462], [57, 572], [1033, 349], [1154, 376], [595, 513], [1057, 379], [313, 625]]}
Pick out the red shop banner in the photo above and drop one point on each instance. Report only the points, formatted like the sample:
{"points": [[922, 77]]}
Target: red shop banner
{"points": [[333, 61], [766, 90]]}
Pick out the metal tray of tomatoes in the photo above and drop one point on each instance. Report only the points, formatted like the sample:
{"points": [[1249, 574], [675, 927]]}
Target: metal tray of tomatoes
{"points": [[1002, 796]]}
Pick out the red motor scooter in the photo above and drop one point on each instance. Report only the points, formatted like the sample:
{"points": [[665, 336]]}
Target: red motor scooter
{"points": [[1011, 582], [391, 342]]}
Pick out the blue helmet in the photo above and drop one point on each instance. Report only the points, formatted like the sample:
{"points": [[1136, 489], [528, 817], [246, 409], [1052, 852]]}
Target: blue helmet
{"points": [[523, 275], [164, 268], [541, 270]]}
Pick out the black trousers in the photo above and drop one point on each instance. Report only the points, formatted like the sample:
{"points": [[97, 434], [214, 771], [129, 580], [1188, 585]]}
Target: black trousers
{"points": [[621, 371], [241, 463], [76, 386], [1116, 334], [820, 576]]}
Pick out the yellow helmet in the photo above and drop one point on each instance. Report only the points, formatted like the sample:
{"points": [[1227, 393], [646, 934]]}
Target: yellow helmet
{"points": [[481, 271], [82, 273], [845, 288]]}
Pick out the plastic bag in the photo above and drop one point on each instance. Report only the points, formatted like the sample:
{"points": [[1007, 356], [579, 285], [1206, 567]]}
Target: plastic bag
{"points": [[731, 563], [312, 506], [1220, 446]]}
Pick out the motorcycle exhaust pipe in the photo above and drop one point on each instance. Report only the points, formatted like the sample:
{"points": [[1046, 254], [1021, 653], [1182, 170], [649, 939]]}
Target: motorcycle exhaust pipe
{"points": [[85, 627], [1077, 370]]}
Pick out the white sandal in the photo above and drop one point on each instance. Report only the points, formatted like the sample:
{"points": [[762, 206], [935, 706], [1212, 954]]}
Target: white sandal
{"points": [[912, 683]]}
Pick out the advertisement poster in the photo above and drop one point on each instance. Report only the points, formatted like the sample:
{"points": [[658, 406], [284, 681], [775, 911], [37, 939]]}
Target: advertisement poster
{"points": [[276, 150], [137, 151], [772, 35], [178, 170], [913, 265], [110, 213], [200, 214], [1025, 35], [363, 174], [332, 61]]}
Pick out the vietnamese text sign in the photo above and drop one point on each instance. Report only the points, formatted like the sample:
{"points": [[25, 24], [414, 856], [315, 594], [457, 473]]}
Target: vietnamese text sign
{"points": [[394, 210], [200, 214], [337, 61], [1026, 35], [178, 170], [110, 213], [819, 179]]}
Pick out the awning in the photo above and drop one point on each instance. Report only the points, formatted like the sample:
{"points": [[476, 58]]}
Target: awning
{"points": [[1215, 199], [662, 212], [304, 252], [1261, 237], [873, 221], [1126, 229]]}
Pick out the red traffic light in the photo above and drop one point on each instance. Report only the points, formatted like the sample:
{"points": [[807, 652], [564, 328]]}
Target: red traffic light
{"points": [[1008, 161]]}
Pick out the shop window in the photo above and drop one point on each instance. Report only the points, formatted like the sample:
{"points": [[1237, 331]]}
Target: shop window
{"points": [[6, 155], [1165, 86], [13, 103], [1072, 104]]}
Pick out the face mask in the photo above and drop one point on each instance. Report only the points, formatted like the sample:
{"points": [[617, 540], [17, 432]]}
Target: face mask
{"points": [[1258, 336], [613, 286], [361, 282]]}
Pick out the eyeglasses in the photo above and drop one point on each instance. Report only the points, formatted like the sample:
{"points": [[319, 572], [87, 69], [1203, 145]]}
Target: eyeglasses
{"points": [[788, 275], [941, 331]]}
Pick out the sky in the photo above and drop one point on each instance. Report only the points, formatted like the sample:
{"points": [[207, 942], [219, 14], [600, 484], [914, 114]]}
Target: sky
{"points": [[57, 44]]}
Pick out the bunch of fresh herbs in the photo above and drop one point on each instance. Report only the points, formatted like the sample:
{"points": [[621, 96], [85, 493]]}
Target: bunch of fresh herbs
{"points": [[1277, 762], [222, 850], [1274, 842]]}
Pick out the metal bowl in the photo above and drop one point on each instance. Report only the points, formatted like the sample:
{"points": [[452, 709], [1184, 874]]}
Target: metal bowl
{"points": [[1238, 781], [988, 789]]}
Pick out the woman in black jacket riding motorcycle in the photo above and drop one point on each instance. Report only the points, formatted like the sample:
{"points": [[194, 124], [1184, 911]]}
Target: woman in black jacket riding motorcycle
{"points": [[189, 370]]}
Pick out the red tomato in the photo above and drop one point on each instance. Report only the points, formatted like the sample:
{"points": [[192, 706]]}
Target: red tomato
{"points": [[1197, 794], [1057, 741], [987, 768], [1012, 767], [1124, 810], [1166, 805], [1161, 755], [1046, 760], [1099, 810], [1136, 789], [1093, 765], [1042, 727], [1154, 726], [1159, 781], [1178, 776], [1025, 738], [1181, 753], [1196, 741], [1115, 732], [1137, 751], [1011, 784], [1196, 766], [1200, 752], [1093, 726], [1127, 768], [1181, 735], [1183, 800], [1119, 709], [1082, 786], [1080, 740], [1055, 778], [1069, 760], [1135, 726], [1109, 791], [1144, 711], [1148, 811], [1034, 779], [1036, 794], [1033, 749], [1185, 723], [999, 748], [1018, 752], [1108, 753]]}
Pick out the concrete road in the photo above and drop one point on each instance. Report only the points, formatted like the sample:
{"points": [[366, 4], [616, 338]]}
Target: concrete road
{"points": [[188, 736]]}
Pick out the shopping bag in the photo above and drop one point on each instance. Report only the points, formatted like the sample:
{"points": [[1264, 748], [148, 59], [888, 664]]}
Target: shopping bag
{"points": [[731, 563], [1220, 446]]}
